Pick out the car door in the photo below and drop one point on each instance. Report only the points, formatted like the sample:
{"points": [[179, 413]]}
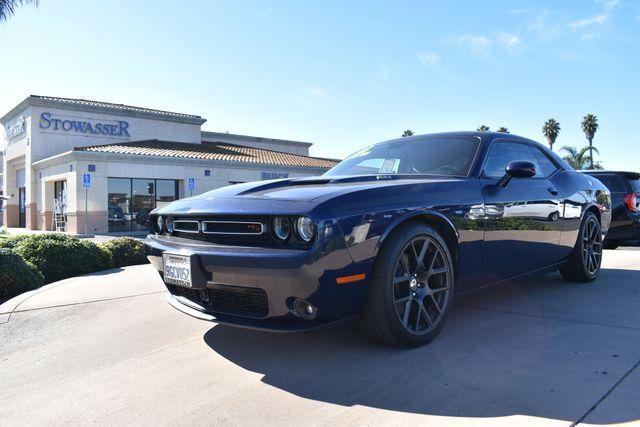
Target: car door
{"points": [[523, 220]]}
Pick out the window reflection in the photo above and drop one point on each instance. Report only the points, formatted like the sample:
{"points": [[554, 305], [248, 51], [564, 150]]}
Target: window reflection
{"points": [[130, 200]]}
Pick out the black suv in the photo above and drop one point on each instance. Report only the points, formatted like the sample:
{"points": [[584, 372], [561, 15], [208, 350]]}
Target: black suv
{"points": [[625, 203]]}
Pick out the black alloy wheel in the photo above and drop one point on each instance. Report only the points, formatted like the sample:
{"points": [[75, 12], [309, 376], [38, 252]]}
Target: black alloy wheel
{"points": [[412, 287], [421, 285], [592, 246], [584, 262]]}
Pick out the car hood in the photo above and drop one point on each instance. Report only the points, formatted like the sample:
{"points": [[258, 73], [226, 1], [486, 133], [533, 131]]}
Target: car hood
{"points": [[289, 195]]}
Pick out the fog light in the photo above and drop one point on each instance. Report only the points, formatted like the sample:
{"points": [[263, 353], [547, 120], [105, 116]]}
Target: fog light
{"points": [[305, 310]]}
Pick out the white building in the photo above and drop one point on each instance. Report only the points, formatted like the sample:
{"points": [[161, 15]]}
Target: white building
{"points": [[137, 159]]}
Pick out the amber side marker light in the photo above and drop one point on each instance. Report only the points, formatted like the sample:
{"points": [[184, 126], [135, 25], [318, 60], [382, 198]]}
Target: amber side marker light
{"points": [[350, 279]]}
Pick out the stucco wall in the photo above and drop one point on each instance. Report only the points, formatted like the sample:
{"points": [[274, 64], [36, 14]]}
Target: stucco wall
{"points": [[48, 142]]}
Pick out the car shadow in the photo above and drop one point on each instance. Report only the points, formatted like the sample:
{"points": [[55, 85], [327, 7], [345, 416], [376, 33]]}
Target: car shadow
{"points": [[534, 347]]}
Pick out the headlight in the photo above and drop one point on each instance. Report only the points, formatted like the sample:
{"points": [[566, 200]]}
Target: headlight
{"points": [[159, 224], [168, 224], [306, 228], [281, 227]]}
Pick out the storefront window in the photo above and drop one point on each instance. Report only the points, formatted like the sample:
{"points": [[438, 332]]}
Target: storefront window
{"points": [[119, 194], [131, 201], [143, 196], [166, 191]]}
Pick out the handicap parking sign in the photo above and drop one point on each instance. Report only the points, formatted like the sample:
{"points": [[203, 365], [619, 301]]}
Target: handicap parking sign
{"points": [[86, 180], [192, 184]]}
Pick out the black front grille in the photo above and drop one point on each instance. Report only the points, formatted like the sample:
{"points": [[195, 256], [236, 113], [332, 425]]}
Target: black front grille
{"points": [[232, 227], [233, 300], [232, 230]]}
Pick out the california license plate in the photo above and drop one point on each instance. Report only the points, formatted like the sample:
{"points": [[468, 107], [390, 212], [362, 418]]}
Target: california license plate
{"points": [[177, 270]]}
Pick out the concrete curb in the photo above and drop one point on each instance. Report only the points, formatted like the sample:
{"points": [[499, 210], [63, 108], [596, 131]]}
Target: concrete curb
{"points": [[11, 305]]}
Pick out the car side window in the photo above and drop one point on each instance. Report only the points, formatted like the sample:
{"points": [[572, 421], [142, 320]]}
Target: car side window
{"points": [[504, 152], [544, 166]]}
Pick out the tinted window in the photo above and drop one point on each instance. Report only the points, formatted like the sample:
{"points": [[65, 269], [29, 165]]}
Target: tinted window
{"points": [[433, 155], [502, 153], [612, 182], [635, 185], [544, 166]]}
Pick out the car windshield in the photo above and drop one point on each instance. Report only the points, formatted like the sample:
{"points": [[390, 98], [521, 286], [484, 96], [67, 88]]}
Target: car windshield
{"points": [[432, 155]]}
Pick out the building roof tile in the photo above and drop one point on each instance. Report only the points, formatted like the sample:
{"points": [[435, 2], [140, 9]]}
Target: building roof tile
{"points": [[211, 151], [123, 107]]}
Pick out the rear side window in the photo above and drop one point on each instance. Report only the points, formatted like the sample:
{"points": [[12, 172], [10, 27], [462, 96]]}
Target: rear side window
{"points": [[612, 182], [635, 185], [504, 152]]}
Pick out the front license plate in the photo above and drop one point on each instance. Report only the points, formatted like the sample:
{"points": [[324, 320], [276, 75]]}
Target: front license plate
{"points": [[177, 270]]}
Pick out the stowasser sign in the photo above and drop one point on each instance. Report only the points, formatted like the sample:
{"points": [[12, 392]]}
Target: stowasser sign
{"points": [[17, 128], [116, 128]]}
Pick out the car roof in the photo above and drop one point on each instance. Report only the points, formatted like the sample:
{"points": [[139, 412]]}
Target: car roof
{"points": [[484, 136], [631, 174]]}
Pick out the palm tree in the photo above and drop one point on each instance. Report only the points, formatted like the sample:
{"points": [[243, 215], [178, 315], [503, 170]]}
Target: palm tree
{"points": [[407, 132], [589, 127], [550, 130], [578, 158], [483, 128], [8, 7], [503, 129]]}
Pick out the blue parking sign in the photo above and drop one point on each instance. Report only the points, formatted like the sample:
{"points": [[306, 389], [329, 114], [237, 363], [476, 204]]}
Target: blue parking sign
{"points": [[192, 184], [86, 180]]}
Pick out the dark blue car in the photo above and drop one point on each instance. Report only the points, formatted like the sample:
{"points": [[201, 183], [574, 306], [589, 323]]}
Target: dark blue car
{"points": [[390, 235]]}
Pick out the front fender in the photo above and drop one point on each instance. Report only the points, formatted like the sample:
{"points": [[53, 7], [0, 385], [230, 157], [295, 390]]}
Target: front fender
{"points": [[365, 234], [425, 214]]}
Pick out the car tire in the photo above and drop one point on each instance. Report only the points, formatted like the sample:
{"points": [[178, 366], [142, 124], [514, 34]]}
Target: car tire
{"points": [[585, 260], [609, 244], [408, 301]]}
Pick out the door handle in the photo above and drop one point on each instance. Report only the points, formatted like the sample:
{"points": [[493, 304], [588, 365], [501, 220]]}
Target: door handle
{"points": [[553, 191]]}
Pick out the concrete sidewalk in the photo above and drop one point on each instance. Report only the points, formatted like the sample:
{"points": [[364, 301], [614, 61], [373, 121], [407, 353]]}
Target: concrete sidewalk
{"points": [[106, 348]]}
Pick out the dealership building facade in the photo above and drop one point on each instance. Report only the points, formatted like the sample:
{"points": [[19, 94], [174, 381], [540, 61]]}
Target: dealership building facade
{"points": [[132, 159]]}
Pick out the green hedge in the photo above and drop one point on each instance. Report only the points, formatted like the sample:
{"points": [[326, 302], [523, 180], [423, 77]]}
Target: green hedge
{"points": [[125, 251], [11, 241], [28, 261], [59, 256], [17, 275]]}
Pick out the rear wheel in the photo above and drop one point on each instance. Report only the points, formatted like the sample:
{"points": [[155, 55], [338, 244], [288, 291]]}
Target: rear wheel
{"points": [[412, 288], [584, 262]]}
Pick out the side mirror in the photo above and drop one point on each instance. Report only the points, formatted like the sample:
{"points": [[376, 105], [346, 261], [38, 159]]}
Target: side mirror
{"points": [[517, 169]]}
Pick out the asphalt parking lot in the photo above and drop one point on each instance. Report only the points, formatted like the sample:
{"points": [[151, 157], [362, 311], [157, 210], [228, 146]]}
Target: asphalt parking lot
{"points": [[108, 349]]}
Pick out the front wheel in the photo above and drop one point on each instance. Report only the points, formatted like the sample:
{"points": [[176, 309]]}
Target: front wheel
{"points": [[585, 260], [411, 289]]}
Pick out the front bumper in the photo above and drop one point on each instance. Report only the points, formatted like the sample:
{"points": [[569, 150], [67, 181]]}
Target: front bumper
{"points": [[257, 287]]}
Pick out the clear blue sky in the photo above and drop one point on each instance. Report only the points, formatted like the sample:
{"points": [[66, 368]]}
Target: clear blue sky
{"points": [[343, 74]]}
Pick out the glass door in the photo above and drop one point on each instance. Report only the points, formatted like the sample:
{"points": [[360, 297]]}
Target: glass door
{"points": [[22, 207], [119, 196], [60, 198], [142, 203]]}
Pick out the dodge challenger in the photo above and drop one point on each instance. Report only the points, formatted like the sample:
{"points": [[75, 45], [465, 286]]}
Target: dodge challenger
{"points": [[390, 235]]}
